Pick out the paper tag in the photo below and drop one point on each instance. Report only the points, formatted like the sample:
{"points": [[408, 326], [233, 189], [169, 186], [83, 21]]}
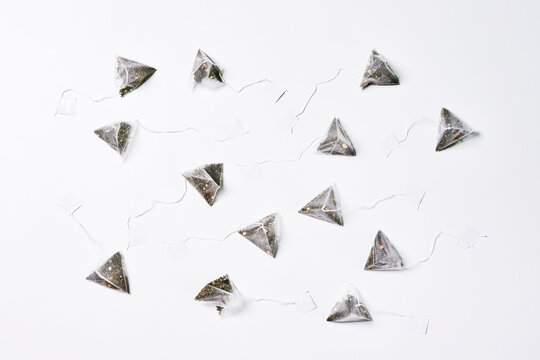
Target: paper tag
{"points": [[468, 236], [66, 106], [137, 236], [304, 303], [69, 203], [388, 143], [251, 172], [178, 251], [415, 194], [420, 324], [232, 128], [285, 119]]}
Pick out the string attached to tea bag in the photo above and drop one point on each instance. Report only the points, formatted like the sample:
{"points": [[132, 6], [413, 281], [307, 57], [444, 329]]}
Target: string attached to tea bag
{"points": [[232, 136], [304, 303], [420, 324], [297, 116], [67, 105], [96, 243], [466, 241], [416, 199], [151, 207], [391, 142]]}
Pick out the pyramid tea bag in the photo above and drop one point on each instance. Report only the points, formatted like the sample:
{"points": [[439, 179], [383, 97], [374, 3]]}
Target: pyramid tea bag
{"points": [[130, 74], [205, 70], [111, 274], [118, 136], [350, 308], [222, 294], [378, 72], [383, 255], [325, 206], [207, 180], [337, 141], [451, 130], [264, 234]]}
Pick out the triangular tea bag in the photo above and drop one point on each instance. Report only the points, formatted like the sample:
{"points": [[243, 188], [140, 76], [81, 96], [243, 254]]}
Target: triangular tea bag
{"points": [[111, 274], [264, 233], [325, 206], [350, 308], [221, 293], [205, 69], [118, 136], [131, 74], [378, 72], [451, 130], [383, 255], [207, 180], [337, 141]]}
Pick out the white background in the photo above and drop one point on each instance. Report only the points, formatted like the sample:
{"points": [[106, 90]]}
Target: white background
{"points": [[479, 59]]}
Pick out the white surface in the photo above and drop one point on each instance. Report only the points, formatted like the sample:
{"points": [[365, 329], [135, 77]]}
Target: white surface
{"points": [[479, 59]]}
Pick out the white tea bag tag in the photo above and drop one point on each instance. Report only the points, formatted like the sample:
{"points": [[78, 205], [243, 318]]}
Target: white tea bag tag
{"points": [[388, 143], [420, 324], [66, 106], [178, 251], [69, 203], [304, 303], [468, 236], [285, 119], [232, 128], [137, 236], [251, 172], [415, 194]]}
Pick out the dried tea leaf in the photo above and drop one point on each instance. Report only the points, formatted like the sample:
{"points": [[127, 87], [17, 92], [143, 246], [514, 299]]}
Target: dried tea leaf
{"points": [[207, 180], [349, 308], [264, 234], [111, 274], [337, 141], [451, 130], [378, 72], [118, 136], [325, 206], [130, 74], [383, 255]]}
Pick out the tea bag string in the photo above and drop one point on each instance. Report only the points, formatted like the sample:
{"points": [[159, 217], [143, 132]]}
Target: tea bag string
{"points": [[297, 116], [190, 128], [186, 240], [284, 303], [423, 120], [298, 158], [96, 243], [151, 207], [375, 204], [245, 86], [398, 315], [96, 100], [434, 245]]}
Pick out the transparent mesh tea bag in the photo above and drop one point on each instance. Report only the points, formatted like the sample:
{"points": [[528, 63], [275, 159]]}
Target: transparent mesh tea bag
{"points": [[336, 141], [378, 72], [111, 274], [349, 308], [383, 255], [207, 180], [264, 234], [451, 130], [205, 71], [222, 294], [325, 207], [130, 74], [118, 136]]}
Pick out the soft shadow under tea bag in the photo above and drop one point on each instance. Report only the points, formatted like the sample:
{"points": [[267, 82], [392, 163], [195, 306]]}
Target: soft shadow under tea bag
{"points": [[118, 136], [378, 72], [451, 130], [383, 255], [130, 74], [336, 141], [207, 180], [111, 274], [350, 308], [325, 207], [205, 71], [222, 294], [264, 234]]}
